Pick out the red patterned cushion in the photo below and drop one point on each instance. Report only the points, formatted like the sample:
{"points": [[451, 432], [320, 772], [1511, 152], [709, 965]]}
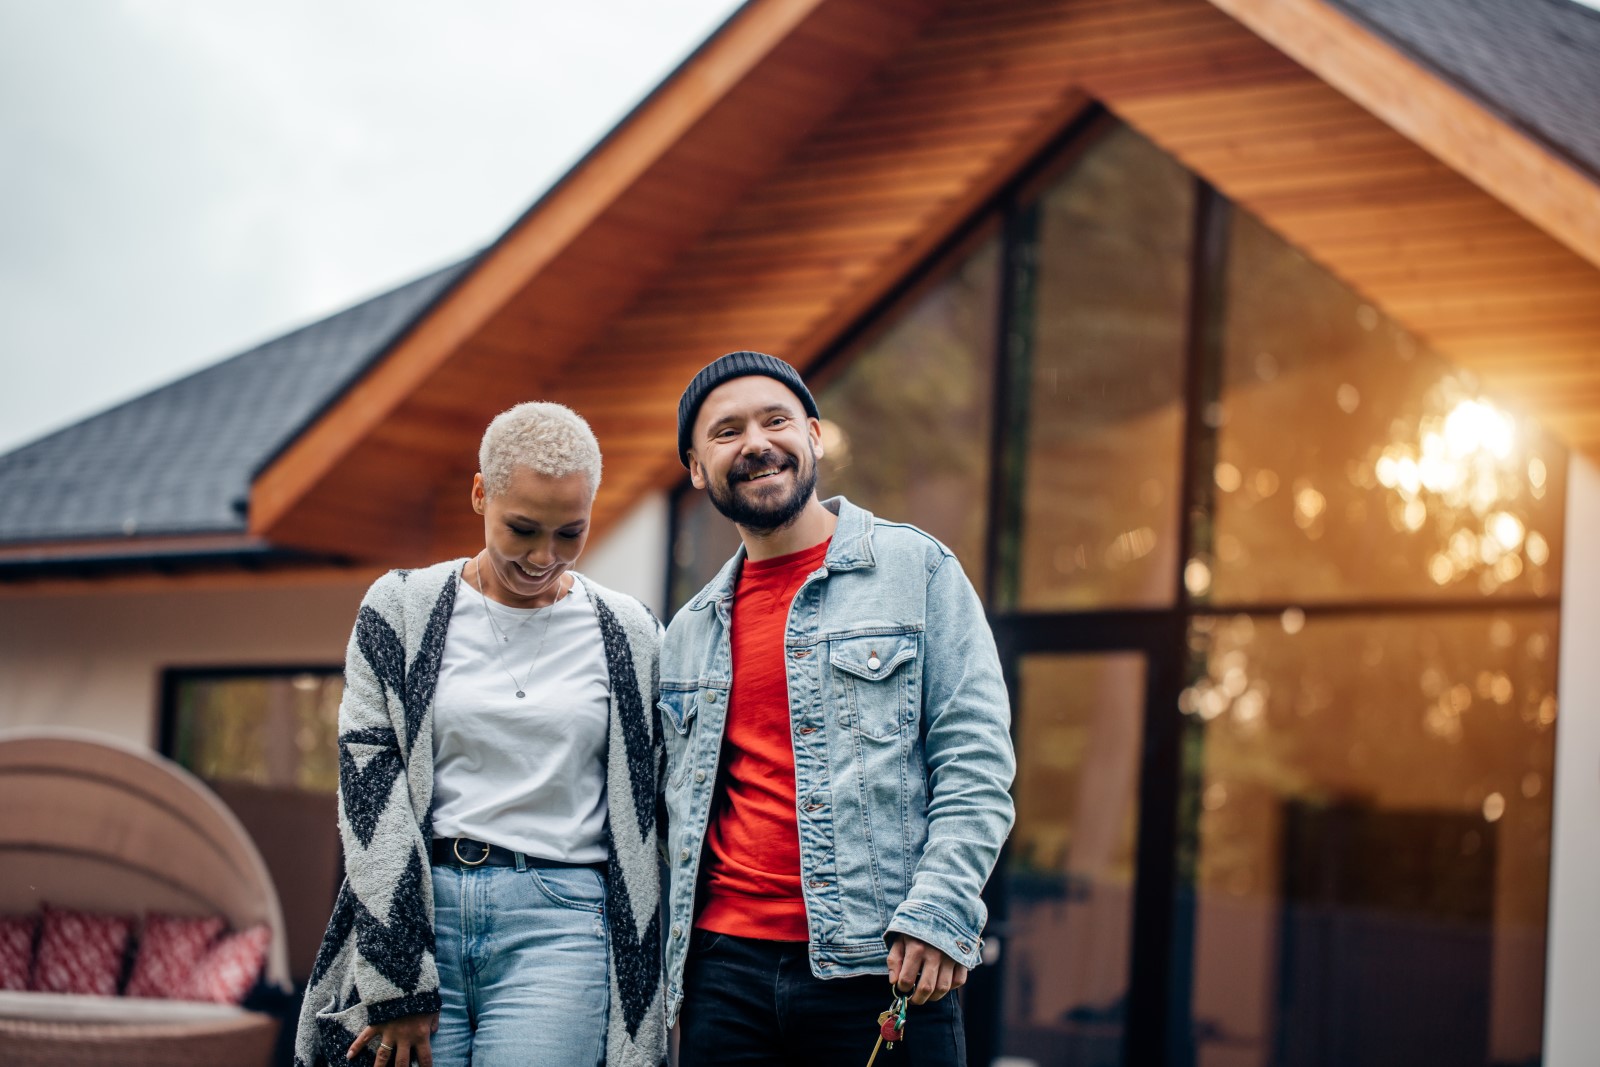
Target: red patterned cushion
{"points": [[169, 949], [227, 972], [16, 949], [80, 952]]}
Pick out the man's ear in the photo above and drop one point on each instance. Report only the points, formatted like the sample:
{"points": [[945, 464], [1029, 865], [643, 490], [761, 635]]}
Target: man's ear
{"points": [[480, 496], [697, 473], [815, 426]]}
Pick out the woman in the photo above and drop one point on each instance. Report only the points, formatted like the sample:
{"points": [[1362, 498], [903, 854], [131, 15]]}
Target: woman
{"points": [[497, 781]]}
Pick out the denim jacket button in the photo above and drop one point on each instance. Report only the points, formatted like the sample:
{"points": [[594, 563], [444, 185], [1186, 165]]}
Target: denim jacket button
{"points": [[699, 776], [684, 855], [677, 933]]}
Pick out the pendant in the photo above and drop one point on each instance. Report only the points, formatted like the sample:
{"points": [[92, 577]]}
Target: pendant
{"points": [[521, 694]]}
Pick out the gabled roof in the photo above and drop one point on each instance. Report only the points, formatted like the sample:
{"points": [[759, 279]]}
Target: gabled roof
{"points": [[783, 184], [1536, 63], [784, 181], [179, 460]]}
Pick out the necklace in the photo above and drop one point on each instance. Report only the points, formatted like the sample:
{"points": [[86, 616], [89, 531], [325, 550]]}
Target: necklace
{"points": [[504, 633], [520, 686]]}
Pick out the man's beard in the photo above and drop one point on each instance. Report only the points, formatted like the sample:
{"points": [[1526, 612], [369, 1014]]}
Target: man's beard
{"points": [[769, 516]]}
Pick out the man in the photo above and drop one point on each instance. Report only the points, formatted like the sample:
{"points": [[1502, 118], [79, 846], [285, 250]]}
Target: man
{"points": [[838, 756]]}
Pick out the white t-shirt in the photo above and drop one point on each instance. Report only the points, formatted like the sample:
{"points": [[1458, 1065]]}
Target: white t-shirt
{"points": [[525, 773]]}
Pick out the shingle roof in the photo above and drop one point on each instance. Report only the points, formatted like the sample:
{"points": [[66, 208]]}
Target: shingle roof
{"points": [[180, 459], [1536, 63]]}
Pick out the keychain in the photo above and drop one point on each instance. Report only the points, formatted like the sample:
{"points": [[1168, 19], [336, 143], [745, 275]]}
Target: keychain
{"points": [[891, 1026]]}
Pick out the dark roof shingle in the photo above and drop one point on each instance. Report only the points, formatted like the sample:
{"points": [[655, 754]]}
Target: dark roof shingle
{"points": [[1535, 63], [179, 460]]}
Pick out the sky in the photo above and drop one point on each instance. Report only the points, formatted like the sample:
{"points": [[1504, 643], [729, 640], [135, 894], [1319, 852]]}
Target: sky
{"points": [[183, 179]]}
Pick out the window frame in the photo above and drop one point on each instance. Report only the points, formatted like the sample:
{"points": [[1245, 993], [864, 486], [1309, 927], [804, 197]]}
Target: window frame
{"points": [[172, 679]]}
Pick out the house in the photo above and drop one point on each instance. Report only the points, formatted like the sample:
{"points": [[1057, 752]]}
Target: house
{"points": [[1247, 352]]}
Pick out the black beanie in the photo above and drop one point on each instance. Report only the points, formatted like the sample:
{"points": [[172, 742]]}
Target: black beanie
{"points": [[735, 365]]}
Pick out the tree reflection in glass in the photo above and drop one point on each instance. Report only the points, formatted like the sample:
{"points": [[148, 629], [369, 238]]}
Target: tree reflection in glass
{"points": [[1354, 463], [1373, 814], [266, 730], [1100, 327], [907, 420]]}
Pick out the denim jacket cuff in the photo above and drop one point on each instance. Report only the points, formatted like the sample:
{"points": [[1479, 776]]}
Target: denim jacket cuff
{"points": [[926, 922]]}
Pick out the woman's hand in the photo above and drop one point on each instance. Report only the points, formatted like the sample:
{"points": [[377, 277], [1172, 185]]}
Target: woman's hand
{"points": [[399, 1040]]}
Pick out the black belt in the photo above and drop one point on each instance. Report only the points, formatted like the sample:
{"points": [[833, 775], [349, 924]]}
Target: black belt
{"points": [[465, 852]]}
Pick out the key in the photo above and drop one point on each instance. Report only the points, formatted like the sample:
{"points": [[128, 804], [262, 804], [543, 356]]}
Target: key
{"points": [[891, 1026]]}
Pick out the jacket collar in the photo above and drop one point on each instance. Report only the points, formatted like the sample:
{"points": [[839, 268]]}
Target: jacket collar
{"points": [[850, 549]]}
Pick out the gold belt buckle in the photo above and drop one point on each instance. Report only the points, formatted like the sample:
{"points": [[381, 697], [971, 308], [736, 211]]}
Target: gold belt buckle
{"points": [[455, 846]]}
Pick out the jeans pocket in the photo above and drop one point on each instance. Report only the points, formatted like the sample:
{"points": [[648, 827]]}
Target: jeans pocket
{"points": [[703, 941], [579, 888]]}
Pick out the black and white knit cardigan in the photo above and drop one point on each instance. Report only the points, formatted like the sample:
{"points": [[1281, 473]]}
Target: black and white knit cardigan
{"points": [[377, 958]]}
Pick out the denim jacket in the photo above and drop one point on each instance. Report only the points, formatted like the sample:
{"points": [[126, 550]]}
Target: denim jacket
{"points": [[902, 747]]}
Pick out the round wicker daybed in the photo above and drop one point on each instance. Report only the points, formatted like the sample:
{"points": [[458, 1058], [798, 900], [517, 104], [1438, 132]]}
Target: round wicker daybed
{"points": [[92, 823]]}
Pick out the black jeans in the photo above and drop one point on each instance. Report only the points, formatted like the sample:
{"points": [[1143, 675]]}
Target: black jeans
{"points": [[749, 1003]]}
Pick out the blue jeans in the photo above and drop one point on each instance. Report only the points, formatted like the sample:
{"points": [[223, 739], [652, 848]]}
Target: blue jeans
{"points": [[753, 1003], [522, 966]]}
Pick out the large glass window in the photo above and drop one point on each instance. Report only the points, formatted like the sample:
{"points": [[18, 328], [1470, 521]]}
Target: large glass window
{"points": [[1278, 590], [1373, 836], [907, 420], [1100, 327], [1400, 476], [1070, 867]]}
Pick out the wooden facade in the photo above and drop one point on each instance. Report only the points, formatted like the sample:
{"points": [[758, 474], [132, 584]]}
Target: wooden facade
{"points": [[796, 169]]}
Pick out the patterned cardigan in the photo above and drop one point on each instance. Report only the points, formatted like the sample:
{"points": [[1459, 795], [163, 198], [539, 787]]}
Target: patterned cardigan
{"points": [[377, 957]]}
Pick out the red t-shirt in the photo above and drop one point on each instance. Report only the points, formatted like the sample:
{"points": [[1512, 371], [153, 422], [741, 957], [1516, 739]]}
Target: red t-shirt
{"points": [[752, 884]]}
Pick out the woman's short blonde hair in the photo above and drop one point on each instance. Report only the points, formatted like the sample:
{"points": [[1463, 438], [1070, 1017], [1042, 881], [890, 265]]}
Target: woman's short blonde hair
{"points": [[549, 438]]}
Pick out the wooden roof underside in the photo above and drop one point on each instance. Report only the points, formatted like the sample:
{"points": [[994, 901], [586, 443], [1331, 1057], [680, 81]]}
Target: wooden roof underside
{"points": [[819, 149]]}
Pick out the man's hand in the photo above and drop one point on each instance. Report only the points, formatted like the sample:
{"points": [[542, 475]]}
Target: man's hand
{"points": [[919, 969], [399, 1040]]}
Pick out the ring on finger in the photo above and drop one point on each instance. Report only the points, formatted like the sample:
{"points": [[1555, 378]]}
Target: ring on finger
{"points": [[384, 1046]]}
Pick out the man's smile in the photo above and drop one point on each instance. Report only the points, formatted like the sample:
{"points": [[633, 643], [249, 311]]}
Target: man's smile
{"points": [[770, 468]]}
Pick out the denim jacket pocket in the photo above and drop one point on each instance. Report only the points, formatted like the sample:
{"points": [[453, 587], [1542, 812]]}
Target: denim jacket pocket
{"points": [[678, 707], [877, 675]]}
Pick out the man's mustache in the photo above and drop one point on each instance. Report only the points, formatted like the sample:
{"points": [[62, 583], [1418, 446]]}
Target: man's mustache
{"points": [[742, 470]]}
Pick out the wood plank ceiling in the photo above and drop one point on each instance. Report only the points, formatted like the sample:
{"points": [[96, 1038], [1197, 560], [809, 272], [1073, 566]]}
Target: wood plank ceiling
{"points": [[791, 248]]}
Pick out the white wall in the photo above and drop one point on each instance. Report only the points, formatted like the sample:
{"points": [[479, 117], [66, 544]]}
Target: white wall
{"points": [[93, 659], [1572, 1023], [633, 557]]}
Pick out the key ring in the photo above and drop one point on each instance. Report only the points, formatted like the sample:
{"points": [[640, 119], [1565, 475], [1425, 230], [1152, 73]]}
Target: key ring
{"points": [[891, 1026]]}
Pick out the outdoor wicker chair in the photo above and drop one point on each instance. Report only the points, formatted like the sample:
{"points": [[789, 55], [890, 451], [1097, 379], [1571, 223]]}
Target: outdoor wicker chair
{"points": [[92, 823]]}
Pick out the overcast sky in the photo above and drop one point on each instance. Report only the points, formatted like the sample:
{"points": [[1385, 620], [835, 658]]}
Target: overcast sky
{"points": [[181, 179]]}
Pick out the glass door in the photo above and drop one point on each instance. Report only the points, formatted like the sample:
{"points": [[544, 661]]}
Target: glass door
{"points": [[1066, 887]]}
